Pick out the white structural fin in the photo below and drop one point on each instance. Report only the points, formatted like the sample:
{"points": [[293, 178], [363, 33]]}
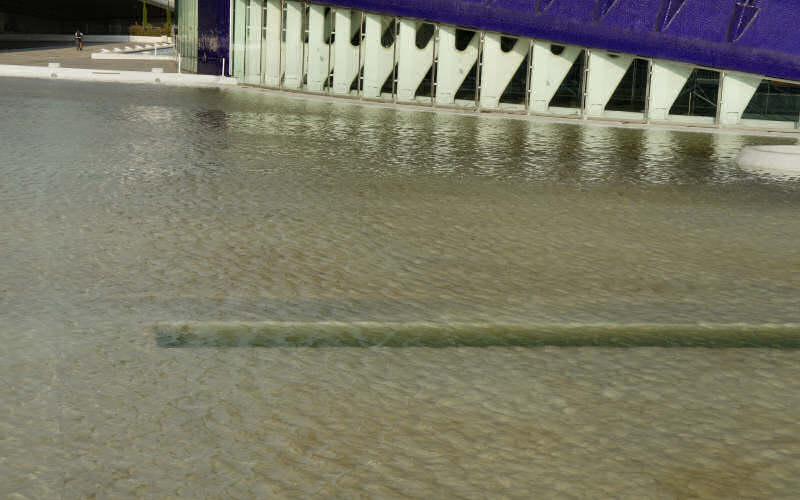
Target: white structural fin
{"points": [[499, 67], [318, 48], [378, 60], [414, 63], [550, 67], [604, 74], [453, 65], [737, 91], [347, 58], [666, 81]]}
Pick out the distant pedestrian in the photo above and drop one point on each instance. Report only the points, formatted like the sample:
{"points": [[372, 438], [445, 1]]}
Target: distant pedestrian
{"points": [[78, 40]]}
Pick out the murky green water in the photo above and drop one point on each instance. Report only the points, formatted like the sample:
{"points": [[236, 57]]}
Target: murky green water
{"points": [[126, 206]]}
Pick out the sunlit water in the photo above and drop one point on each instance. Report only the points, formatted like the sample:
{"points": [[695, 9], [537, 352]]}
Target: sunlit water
{"points": [[122, 207]]}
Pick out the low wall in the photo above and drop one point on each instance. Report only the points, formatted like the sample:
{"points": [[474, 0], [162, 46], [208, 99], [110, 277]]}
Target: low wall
{"points": [[44, 37], [94, 75]]}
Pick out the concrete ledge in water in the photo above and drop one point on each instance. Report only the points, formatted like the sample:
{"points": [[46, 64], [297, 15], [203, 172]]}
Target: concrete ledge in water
{"points": [[782, 160], [423, 334], [92, 75]]}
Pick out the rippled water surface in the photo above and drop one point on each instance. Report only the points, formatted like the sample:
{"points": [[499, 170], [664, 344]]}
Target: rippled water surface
{"points": [[126, 206]]}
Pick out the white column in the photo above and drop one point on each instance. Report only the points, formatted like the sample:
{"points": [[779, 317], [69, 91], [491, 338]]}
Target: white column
{"points": [[346, 54], [377, 58], [253, 55], [293, 62], [666, 81], [499, 68], [454, 65], [271, 66], [737, 91], [293, 46], [549, 70], [605, 73], [239, 37], [318, 49], [413, 63]]}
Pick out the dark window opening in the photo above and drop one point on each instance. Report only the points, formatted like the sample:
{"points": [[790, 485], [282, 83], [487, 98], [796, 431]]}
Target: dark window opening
{"points": [[463, 38], [426, 86], [467, 89], [699, 96], [425, 34], [570, 92], [387, 39], [516, 92], [507, 43], [776, 101], [631, 92]]}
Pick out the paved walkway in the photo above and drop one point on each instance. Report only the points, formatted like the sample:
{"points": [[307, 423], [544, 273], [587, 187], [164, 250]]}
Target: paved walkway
{"points": [[71, 58]]}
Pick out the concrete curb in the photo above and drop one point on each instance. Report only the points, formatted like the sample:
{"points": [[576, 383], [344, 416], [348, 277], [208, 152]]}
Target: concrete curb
{"points": [[130, 56], [54, 71]]}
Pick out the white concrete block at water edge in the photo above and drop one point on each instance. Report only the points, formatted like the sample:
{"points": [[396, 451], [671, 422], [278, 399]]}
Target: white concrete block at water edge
{"points": [[780, 160]]}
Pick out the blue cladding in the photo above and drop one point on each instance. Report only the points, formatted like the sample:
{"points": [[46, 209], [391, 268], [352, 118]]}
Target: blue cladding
{"points": [[213, 36], [754, 36]]}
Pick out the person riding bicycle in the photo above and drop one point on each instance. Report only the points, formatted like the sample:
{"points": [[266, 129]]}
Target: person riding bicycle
{"points": [[78, 40]]}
